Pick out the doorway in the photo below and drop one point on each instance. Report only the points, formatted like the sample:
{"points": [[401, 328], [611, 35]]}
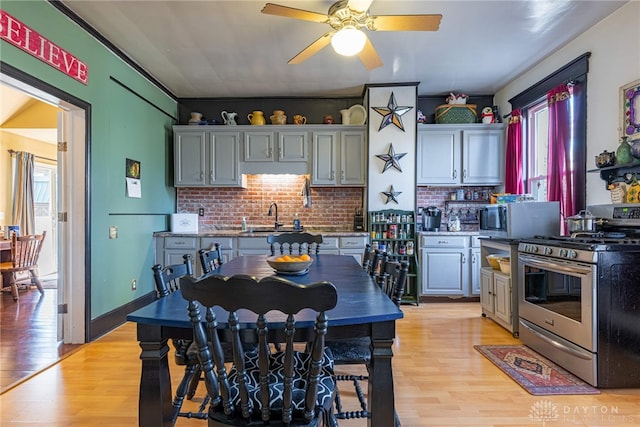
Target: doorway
{"points": [[61, 188]]}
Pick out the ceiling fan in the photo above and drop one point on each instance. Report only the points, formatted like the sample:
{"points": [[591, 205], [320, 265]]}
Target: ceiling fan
{"points": [[347, 17]]}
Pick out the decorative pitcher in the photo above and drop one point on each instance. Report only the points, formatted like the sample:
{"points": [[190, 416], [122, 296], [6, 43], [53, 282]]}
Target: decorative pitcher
{"points": [[346, 116], [299, 119], [256, 118], [229, 118]]}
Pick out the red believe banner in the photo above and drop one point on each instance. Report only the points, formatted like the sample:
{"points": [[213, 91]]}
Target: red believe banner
{"points": [[23, 37]]}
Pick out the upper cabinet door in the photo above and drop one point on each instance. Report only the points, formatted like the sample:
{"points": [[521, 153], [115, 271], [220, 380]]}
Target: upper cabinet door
{"points": [[189, 159], [483, 156], [259, 146], [224, 159], [293, 147], [325, 158], [352, 158], [438, 154]]}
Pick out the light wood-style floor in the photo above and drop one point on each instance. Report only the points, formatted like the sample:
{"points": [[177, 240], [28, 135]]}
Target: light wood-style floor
{"points": [[440, 381]]}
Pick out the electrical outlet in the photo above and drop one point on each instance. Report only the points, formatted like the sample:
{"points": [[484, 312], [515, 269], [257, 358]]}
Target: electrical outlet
{"points": [[113, 232], [134, 284], [201, 212]]}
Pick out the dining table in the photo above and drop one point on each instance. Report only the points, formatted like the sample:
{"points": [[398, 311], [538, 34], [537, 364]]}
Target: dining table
{"points": [[363, 310]]}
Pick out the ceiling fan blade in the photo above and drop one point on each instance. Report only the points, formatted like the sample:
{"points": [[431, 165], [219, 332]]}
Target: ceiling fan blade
{"points": [[359, 5], [404, 22], [312, 49], [369, 56], [291, 12]]}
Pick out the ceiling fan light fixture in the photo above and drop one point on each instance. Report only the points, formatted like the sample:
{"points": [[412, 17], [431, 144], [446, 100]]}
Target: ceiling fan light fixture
{"points": [[348, 41]]}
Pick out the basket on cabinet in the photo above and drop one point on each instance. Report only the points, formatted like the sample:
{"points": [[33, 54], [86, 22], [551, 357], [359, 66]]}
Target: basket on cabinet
{"points": [[456, 113]]}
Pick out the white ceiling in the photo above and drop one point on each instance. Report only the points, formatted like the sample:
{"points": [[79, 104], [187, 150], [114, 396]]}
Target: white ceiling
{"points": [[218, 48]]}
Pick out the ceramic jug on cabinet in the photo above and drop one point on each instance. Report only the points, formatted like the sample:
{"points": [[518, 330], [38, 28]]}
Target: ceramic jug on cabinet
{"points": [[229, 118], [256, 118], [346, 116]]}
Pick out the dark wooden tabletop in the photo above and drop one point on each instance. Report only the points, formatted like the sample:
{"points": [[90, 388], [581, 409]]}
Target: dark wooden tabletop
{"points": [[360, 300]]}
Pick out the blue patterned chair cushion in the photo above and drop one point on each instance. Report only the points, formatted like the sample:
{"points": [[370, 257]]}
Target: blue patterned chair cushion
{"points": [[326, 383]]}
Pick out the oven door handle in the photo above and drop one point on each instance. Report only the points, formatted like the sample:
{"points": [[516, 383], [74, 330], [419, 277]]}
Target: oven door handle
{"points": [[555, 266], [557, 344]]}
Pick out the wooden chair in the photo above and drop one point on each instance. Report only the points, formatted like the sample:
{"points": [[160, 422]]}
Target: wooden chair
{"points": [[287, 388], [210, 259], [167, 281], [392, 280], [294, 240], [25, 251], [372, 261]]}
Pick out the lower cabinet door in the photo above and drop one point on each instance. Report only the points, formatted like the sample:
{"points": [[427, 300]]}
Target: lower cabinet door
{"points": [[445, 272], [502, 289]]}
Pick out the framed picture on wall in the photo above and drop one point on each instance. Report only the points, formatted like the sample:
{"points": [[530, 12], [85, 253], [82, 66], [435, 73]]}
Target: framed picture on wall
{"points": [[630, 105]]}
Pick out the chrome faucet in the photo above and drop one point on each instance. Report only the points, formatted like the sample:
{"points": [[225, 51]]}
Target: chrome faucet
{"points": [[270, 213]]}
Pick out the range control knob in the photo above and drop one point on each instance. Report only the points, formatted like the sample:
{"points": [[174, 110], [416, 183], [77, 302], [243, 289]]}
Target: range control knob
{"points": [[548, 251], [572, 254], [563, 253], [534, 249]]}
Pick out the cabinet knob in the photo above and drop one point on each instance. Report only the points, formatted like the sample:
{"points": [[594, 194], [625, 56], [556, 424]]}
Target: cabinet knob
{"points": [[455, 173]]}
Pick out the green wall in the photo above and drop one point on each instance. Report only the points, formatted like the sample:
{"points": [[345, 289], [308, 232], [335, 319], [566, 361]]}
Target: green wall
{"points": [[122, 126]]}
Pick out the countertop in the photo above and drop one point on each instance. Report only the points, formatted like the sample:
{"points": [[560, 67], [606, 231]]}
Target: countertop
{"points": [[449, 233], [260, 231]]}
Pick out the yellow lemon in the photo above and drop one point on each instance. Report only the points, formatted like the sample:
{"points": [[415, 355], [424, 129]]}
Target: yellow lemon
{"points": [[305, 257]]}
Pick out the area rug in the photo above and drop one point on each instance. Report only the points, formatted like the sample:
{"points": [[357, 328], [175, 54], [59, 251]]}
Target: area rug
{"points": [[535, 373]]}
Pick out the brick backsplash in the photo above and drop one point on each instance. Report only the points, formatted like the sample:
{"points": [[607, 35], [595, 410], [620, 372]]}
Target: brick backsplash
{"points": [[437, 196], [331, 206], [225, 207]]}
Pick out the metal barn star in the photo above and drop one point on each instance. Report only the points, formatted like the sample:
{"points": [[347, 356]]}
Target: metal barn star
{"points": [[391, 195], [392, 113], [391, 159]]}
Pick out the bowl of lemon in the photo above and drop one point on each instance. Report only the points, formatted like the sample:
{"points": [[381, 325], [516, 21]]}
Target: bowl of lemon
{"points": [[290, 264]]}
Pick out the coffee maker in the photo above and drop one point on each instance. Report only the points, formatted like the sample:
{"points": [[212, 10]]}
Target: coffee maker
{"points": [[431, 217]]}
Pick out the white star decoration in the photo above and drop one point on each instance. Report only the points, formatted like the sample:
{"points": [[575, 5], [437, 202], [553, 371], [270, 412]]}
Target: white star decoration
{"points": [[391, 159], [391, 113], [391, 195]]}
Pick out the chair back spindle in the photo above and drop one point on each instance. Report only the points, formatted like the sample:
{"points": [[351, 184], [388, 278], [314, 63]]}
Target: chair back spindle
{"points": [[294, 242], [283, 388], [210, 259]]}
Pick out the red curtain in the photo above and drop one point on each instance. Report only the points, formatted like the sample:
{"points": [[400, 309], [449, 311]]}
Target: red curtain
{"points": [[560, 170], [513, 166]]}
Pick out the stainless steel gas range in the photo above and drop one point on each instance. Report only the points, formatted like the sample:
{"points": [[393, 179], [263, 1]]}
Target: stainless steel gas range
{"points": [[579, 302]]}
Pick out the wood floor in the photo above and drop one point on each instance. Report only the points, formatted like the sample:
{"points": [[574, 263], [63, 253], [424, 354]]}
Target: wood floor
{"points": [[28, 342], [440, 381]]}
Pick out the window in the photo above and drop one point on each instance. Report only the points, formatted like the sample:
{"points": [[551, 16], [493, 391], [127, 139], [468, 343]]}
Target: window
{"points": [[535, 139], [536, 145]]}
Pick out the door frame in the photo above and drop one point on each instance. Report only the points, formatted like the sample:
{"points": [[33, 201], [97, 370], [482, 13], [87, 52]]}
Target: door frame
{"points": [[74, 271]]}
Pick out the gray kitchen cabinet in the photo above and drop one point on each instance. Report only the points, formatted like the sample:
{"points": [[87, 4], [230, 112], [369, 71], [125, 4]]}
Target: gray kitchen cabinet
{"points": [[499, 291], [338, 158], [444, 264], [253, 246], [353, 246], [476, 264], [471, 154], [226, 246], [205, 158], [170, 250], [282, 146]]}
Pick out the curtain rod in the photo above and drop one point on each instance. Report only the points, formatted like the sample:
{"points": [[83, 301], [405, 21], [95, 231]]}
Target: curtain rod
{"points": [[13, 153]]}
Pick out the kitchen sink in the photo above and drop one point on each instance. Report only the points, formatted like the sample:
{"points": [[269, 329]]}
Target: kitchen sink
{"points": [[271, 230]]}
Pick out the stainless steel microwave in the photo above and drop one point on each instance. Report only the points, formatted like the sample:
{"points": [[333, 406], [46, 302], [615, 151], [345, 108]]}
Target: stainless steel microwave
{"points": [[517, 220]]}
